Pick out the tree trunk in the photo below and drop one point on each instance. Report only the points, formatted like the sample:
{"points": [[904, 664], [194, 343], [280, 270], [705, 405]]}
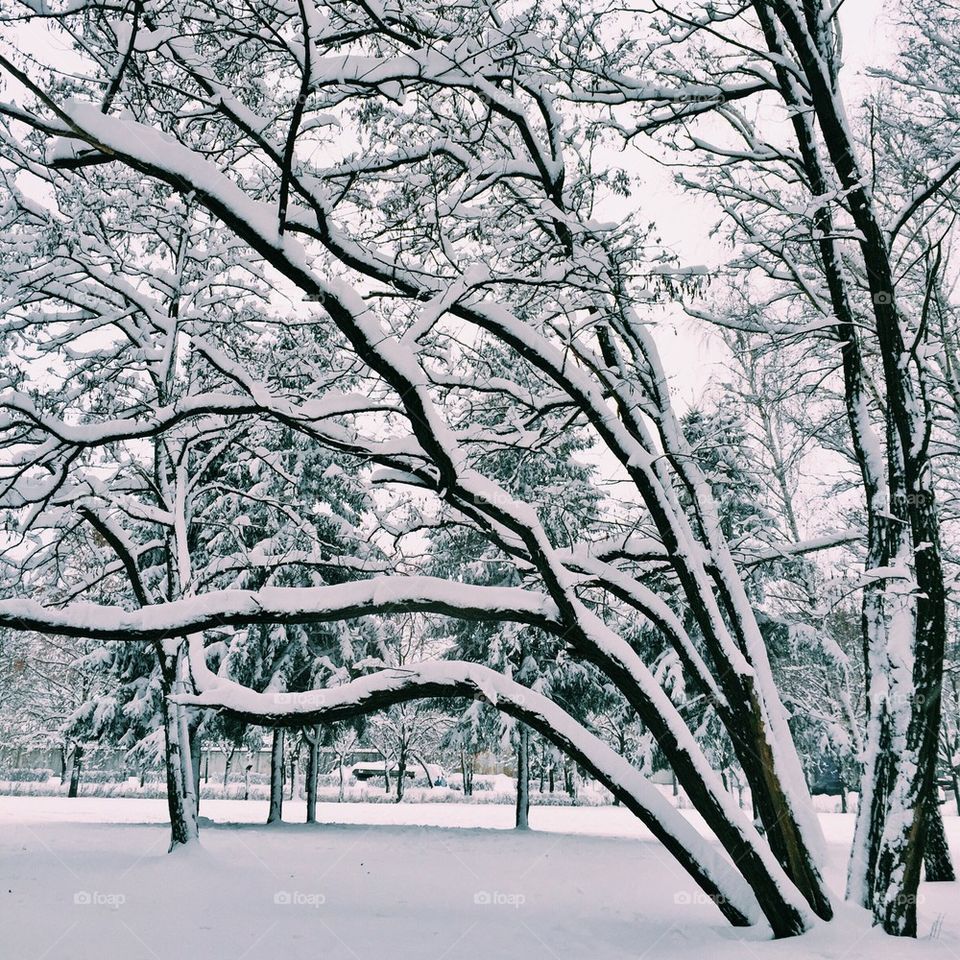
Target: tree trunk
{"points": [[276, 777], [196, 754], [937, 865], [523, 778], [570, 780], [900, 786], [228, 761], [313, 761], [181, 795], [402, 771], [426, 770], [75, 771]]}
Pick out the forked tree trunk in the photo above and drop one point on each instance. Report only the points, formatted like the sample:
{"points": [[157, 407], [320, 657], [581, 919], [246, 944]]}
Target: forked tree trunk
{"points": [[523, 778], [275, 814], [899, 787]]}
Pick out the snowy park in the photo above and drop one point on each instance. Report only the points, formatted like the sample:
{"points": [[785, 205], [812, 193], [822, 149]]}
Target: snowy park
{"points": [[479, 479], [91, 879]]}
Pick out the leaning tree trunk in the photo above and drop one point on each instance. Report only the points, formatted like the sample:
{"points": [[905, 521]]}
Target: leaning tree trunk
{"points": [[523, 778], [75, 767], [937, 865], [902, 786], [275, 814]]}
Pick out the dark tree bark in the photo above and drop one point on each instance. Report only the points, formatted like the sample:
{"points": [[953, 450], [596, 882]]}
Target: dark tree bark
{"points": [[401, 769], [196, 754], [228, 763], [893, 859], [426, 770], [313, 763], [523, 778], [75, 768], [937, 865], [275, 814]]}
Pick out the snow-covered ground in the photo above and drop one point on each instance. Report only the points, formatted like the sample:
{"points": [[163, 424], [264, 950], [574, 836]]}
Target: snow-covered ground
{"points": [[89, 879]]}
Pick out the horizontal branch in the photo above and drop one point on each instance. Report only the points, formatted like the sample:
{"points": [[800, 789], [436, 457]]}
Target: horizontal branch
{"points": [[286, 605]]}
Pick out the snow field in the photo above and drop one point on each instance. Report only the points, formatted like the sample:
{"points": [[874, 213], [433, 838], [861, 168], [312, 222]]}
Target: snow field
{"points": [[89, 879]]}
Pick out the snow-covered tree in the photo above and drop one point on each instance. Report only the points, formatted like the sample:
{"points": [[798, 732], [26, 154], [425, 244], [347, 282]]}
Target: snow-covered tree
{"points": [[419, 188]]}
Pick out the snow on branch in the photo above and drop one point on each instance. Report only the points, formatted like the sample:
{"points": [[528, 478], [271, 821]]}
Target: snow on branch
{"points": [[451, 678], [241, 608]]}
